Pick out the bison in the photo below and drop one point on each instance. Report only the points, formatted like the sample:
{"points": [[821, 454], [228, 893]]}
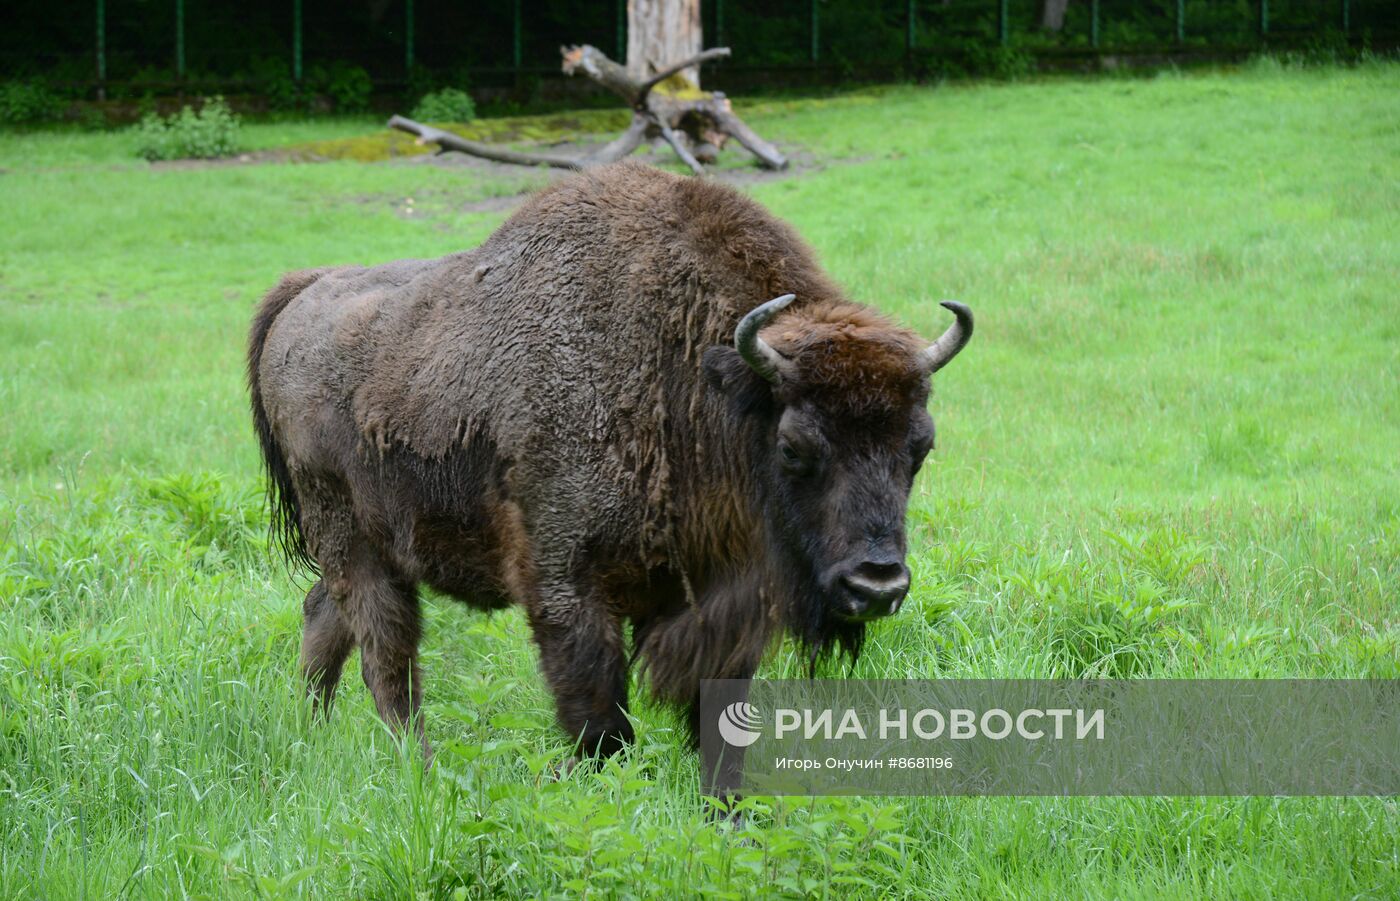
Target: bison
{"points": [[592, 415]]}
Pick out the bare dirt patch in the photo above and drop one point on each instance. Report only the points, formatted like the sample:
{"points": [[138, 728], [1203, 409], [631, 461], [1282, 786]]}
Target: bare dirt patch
{"points": [[251, 158]]}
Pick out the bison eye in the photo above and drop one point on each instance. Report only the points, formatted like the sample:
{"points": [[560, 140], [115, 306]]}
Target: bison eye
{"points": [[793, 461]]}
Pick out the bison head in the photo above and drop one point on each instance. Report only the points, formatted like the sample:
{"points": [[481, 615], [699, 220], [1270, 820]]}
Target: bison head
{"points": [[840, 428]]}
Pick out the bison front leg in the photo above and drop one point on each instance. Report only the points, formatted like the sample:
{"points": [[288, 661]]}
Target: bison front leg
{"points": [[326, 640], [681, 651], [583, 659]]}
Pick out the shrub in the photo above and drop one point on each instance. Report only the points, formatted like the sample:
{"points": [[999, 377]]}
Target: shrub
{"points": [[1005, 63], [273, 78], [347, 86], [23, 102], [447, 105], [421, 81], [211, 132]]}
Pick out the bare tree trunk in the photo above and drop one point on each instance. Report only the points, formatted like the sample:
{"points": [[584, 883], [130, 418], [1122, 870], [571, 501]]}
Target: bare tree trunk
{"points": [[1052, 14], [662, 32]]}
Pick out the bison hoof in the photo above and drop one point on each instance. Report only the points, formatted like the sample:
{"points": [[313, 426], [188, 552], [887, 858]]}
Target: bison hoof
{"points": [[606, 742]]}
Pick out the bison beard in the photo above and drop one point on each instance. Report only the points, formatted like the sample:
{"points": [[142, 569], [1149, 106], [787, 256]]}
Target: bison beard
{"points": [[581, 417]]}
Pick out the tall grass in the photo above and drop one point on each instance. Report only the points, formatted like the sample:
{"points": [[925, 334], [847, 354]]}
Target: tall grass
{"points": [[1169, 452]]}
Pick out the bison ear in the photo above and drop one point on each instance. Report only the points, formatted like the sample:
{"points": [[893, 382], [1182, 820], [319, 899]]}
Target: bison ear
{"points": [[729, 374]]}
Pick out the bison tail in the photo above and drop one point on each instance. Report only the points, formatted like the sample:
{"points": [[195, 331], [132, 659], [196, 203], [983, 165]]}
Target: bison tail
{"points": [[282, 498]]}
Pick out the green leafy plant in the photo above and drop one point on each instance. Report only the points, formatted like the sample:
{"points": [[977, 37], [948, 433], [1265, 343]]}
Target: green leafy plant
{"points": [[1117, 634], [1005, 63], [211, 132], [26, 102], [206, 513], [273, 78], [446, 105], [422, 81], [1167, 555], [346, 86]]}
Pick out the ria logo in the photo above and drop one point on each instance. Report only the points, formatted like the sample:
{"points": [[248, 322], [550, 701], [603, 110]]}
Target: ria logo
{"points": [[740, 724]]}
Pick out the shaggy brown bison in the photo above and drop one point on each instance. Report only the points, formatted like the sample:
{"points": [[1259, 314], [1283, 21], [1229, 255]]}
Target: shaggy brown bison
{"points": [[592, 416]]}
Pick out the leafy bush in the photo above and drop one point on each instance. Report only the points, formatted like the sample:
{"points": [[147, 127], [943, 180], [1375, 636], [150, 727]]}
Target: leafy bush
{"points": [[24, 102], [211, 132], [447, 105], [421, 81], [347, 86], [1006, 63], [273, 78]]}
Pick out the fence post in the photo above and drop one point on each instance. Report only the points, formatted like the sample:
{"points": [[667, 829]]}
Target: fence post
{"points": [[816, 32], [408, 36], [180, 39], [101, 49], [517, 40], [1346, 17], [1263, 18], [1003, 23], [1094, 24], [909, 34], [620, 27], [1181, 21], [296, 41]]}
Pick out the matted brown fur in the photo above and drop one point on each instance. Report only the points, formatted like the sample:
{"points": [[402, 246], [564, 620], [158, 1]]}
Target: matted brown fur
{"points": [[531, 422]]}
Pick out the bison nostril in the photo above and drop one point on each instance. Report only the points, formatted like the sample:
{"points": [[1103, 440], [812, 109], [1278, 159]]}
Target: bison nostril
{"points": [[882, 585], [882, 572]]}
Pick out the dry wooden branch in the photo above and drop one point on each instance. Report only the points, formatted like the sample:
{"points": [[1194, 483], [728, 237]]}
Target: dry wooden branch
{"points": [[446, 140], [620, 147], [678, 144], [694, 123], [697, 59], [707, 118]]}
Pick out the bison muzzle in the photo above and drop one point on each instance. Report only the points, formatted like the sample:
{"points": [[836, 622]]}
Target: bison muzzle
{"points": [[595, 416]]}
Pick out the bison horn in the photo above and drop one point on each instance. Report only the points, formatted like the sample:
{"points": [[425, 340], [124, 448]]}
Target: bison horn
{"points": [[940, 352], [763, 359]]}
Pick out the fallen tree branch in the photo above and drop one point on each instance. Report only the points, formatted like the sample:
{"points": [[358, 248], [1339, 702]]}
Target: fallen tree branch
{"points": [[446, 140], [677, 144], [695, 124], [620, 147], [703, 57], [597, 66], [730, 124], [707, 120]]}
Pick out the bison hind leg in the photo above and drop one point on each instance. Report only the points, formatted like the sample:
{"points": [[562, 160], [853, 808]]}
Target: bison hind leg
{"points": [[326, 641], [382, 610]]}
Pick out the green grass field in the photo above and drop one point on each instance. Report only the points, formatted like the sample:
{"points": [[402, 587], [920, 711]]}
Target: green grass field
{"points": [[1172, 450]]}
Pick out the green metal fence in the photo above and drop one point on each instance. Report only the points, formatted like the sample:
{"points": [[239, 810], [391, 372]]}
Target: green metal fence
{"points": [[198, 44]]}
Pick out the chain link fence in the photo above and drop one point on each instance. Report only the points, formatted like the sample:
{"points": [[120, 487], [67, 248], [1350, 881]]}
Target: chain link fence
{"points": [[139, 47]]}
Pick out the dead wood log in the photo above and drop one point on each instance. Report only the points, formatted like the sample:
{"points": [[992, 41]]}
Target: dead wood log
{"points": [[696, 124], [446, 140], [706, 118]]}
